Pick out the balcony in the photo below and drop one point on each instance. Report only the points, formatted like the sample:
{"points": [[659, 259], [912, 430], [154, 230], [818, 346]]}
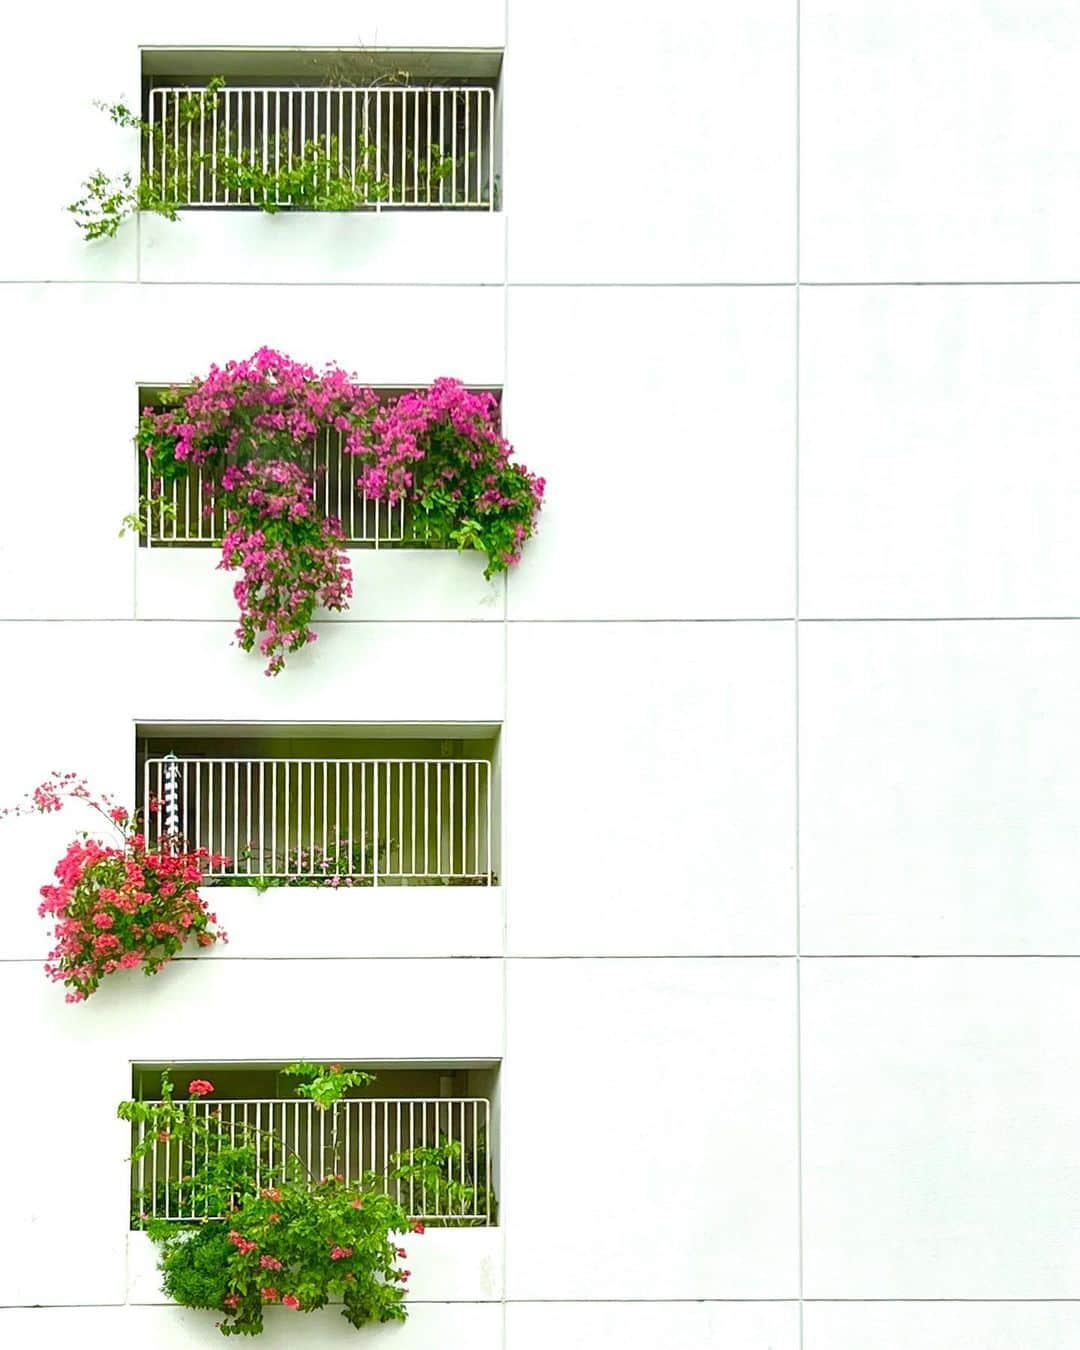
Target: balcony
{"points": [[428, 148], [405, 575], [376, 164], [326, 817], [349, 1139], [427, 1135]]}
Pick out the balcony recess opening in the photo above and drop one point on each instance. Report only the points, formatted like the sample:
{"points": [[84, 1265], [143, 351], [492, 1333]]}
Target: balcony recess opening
{"points": [[421, 1133], [342, 806], [189, 512], [361, 129]]}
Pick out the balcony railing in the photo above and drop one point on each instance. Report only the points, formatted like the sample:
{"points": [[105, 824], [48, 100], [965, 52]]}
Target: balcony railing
{"points": [[191, 512], [354, 1139], [424, 147], [362, 821]]}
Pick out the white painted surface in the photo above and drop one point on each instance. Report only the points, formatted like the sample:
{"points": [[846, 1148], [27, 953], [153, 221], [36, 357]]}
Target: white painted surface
{"points": [[649, 751], [461, 1326], [679, 838], [427, 585], [940, 773], [679, 1120], [942, 1326], [646, 1326], [404, 248], [671, 187], [671, 468], [939, 1129], [938, 141], [937, 455]]}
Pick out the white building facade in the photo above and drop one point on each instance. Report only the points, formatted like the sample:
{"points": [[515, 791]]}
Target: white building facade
{"points": [[771, 983]]}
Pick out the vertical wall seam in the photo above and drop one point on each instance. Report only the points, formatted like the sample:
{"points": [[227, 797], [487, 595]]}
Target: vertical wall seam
{"points": [[797, 765]]}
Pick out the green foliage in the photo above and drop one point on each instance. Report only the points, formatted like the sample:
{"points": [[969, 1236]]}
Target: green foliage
{"points": [[324, 1084], [449, 1180], [180, 154], [284, 1236]]}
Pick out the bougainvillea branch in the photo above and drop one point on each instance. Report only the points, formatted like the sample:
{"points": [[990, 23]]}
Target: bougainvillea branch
{"points": [[117, 906], [251, 426]]}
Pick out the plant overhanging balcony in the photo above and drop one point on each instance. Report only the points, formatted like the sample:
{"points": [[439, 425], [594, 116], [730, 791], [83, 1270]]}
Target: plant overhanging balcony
{"points": [[430, 1155], [326, 821]]}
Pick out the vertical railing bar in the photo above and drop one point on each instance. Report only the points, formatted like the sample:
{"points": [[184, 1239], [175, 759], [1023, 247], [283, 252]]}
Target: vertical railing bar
{"points": [[390, 141], [416, 148], [325, 812], [412, 830], [211, 842], [427, 147], [363, 822], [468, 98], [311, 814], [352, 141], [378, 140], [476, 819], [247, 828], [273, 822], [387, 842], [286, 822], [453, 156], [438, 818], [251, 139], [485, 769], [386, 1136], [292, 105]]}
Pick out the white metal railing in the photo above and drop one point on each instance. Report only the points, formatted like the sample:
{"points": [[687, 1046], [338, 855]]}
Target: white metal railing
{"points": [[425, 146], [368, 821], [191, 511], [351, 1139]]}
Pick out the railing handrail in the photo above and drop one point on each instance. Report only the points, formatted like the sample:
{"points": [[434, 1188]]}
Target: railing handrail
{"points": [[323, 88], [305, 759], [306, 1101]]}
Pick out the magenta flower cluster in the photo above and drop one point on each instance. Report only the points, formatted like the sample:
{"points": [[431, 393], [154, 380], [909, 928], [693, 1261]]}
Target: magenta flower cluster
{"points": [[252, 425]]}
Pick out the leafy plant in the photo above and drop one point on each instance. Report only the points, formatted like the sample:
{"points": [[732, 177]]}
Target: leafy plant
{"points": [[192, 146], [299, 1241], [450, 1179], [324, 1085]]}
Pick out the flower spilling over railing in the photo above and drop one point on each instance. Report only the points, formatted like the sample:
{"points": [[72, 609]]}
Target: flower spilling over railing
{"points": [[118, 906], [343, 148], [252, 429], [298, 1202], [332, 822]]}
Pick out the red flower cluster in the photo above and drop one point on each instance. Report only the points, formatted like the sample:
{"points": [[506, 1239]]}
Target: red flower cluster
{"points": [[242, 1245], [200, 1087], [119, 907], [122, 905]]}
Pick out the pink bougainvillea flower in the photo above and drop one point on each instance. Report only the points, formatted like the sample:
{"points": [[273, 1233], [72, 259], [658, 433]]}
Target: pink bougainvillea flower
{"points": [[200, 1087], [291, 1301], [249, 427]]}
